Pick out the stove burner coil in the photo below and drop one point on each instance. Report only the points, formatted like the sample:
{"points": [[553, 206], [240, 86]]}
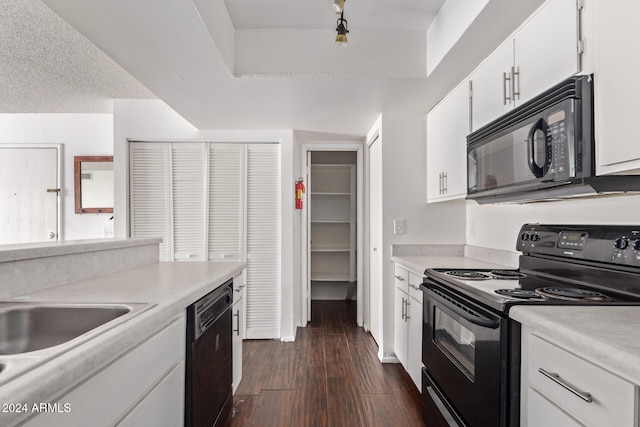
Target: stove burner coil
{"points": [[520, 294], [573, 294], [507, 274], [468, 275]]}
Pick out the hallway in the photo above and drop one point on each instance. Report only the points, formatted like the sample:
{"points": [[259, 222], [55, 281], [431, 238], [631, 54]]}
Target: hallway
{"points": [[330, 376]]}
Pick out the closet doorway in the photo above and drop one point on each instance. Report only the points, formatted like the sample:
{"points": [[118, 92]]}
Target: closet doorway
{"points": [[333, 233]]}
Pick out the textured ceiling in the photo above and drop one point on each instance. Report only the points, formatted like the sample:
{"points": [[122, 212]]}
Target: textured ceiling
{"points": [[46, 66]]}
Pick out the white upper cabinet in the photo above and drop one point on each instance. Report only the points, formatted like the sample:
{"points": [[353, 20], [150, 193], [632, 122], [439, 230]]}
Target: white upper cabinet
{"points": [[543, 52], [547, 49], [447, 129], [491, 91], [616, 43]]}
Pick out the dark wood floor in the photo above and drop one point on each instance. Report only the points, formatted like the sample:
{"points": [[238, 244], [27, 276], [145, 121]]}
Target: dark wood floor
{"points": [[330, 376]]}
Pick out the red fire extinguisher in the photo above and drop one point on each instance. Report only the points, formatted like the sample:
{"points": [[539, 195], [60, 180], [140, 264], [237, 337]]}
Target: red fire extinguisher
{"points": [[299, 192]]}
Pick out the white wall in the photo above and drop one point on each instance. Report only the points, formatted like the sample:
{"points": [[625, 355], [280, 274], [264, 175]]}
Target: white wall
{"points": [[496, 226], [153, 120], [312, 52], [404, 197], [452, 21], [80, 135]]}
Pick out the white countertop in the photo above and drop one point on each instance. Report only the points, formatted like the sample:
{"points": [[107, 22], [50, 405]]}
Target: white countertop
{"points": [[607, 336], [23, 251], [171, 286], [417, 264]]}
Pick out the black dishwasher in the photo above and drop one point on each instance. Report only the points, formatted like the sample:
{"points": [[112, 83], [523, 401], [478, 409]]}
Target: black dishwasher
{"points": [[209, 371]]}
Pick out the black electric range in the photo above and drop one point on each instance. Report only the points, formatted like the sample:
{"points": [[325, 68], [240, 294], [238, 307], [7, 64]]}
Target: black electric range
{"points": [[471, 348]]}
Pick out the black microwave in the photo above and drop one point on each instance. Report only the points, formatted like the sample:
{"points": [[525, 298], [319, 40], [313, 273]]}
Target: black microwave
{"points": [[541, 150]]}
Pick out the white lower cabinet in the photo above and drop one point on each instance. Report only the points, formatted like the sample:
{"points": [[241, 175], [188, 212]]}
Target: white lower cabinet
{"points": [[160, 406], [559, 388], [237, 328], [544, 413], [143, 388], [408, 323]]}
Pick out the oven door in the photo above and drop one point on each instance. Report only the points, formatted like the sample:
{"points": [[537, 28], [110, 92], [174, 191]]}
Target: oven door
{"points": [[461, 350]]}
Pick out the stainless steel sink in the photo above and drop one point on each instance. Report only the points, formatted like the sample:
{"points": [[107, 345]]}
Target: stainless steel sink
{"points": [[36, 327], [31, 333]]}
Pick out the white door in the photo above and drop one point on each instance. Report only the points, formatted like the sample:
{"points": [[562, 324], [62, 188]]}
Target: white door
{"points": [[262, 241], [28, 195], [151, 193], [309, 200], [188, 200], [375, 240]]}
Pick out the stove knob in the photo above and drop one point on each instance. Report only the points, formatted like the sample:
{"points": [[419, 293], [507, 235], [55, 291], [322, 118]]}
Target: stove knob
{"points": [[636, 245], [621, 243], [524, 237], [535, 237]]}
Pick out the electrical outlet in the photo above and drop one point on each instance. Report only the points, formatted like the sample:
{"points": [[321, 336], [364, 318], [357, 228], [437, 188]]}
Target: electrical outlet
{"points": [[472, 227], [399, 226]]}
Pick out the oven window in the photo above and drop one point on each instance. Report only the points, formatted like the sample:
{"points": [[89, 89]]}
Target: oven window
{"points": [[456, 342]]}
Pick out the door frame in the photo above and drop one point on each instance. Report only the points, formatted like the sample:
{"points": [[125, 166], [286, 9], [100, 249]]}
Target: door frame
{"points": [[305, 279], [59, 179]]}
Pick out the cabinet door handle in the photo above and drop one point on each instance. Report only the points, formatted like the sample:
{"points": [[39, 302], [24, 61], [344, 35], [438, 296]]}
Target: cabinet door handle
{"points": [[506, 82], [403, 309], [515, 76], [406, 311], [556, 379], [237, 316], [445, 183], [399, 278]]}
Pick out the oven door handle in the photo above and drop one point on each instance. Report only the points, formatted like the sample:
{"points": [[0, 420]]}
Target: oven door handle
{"points": [[466, 311]]}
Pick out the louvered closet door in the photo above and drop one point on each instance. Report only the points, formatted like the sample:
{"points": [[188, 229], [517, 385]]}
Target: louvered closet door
{"points": [[262, 241], [226, 185], [149, 181], [188, 200]]}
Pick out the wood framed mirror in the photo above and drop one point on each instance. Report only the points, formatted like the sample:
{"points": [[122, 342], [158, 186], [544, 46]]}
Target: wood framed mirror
{"points": [[93, 184]]}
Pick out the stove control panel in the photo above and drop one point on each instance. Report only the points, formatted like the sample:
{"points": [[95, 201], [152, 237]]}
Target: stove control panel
{"points": [[601, 243], [573, 240]]}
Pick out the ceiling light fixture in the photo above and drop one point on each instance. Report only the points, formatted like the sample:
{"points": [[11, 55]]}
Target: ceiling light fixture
{"points": [[337, 6], [343, 30]]}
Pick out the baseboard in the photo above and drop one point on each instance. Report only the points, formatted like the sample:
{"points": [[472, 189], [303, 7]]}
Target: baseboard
{"points": [[390, 359]]}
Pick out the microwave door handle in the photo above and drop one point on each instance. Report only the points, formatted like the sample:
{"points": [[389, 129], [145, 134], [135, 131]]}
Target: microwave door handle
{"points": [[538, 171]]}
